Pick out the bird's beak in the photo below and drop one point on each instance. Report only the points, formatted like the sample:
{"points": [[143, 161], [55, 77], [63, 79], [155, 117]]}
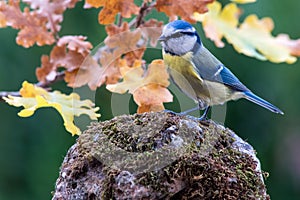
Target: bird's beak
{"points": [[161, 38]]}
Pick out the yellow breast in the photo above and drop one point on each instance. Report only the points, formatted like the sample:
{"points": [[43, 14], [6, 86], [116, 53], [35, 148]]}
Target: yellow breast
{"points": [[184, 74]]}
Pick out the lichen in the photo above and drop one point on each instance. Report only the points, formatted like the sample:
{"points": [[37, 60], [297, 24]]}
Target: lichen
{"points": [[163, 156]]}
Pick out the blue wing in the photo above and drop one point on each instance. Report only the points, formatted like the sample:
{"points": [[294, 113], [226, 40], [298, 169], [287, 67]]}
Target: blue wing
{"points": [[228, 78], [211, 69]]}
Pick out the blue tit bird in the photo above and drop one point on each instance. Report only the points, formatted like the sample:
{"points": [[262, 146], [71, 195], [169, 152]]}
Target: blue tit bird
{"points": [[198, 73]]}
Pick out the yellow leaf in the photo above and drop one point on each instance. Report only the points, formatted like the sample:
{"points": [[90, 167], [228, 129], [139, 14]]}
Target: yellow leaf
{"points": [[149, 88], [243, 1], [33, 98], [252, 37]]}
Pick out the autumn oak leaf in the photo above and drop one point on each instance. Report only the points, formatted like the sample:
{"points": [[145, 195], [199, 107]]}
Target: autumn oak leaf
{"points": [[125, 42], [68, 106], [243, 1], [112, 7], [183, 8], [94, 74], [149, 88], [38, 23], [151, 30], [32, 25], [52, 9], [151, 98], [252, 37], [69, 53]]}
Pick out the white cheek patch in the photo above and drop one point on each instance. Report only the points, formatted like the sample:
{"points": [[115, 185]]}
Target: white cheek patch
{"points": [[181, 45], [168, 31]]}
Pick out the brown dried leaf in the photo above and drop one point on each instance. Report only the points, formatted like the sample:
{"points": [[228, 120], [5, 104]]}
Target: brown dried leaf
{"points": [[110, 73], [183, 8], [69, 53], [125, 42], [48, 70], [112, 7], [32, 25], [88, 73], [37, 25], [149, 88], [52, 9], [151, 30], [113, 29], [151, 98], [76, 43], [95, 74]]}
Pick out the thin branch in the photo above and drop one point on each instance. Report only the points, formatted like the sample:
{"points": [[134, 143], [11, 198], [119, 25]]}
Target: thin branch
{"points": [[60, 76], [53, 27], [135, 22], [5, 94], [138, 20], [120, 20]]}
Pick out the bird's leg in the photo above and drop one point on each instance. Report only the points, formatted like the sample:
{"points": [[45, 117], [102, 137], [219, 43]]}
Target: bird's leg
{"points": [[204, 115], [184, 112], [170, 111], [189, 110]]}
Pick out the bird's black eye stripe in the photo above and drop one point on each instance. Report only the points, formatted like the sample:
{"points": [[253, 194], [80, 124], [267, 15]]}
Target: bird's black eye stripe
{"points": [[179, 34], [188, 33]]}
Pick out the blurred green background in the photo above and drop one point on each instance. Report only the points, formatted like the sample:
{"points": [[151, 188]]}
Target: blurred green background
{"points": [[32, 149]]}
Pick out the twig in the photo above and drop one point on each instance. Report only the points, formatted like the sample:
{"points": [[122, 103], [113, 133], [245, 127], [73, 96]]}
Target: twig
{"points": [[5, 94], [60, 76], [138, 20], [120, 20], [53, 27]]}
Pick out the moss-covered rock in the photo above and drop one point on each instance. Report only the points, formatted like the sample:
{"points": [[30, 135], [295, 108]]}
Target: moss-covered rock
{"points": [[159, 156]]}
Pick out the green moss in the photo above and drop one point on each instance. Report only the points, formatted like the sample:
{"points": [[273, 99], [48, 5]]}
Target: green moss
{"points": [[173, 157]]}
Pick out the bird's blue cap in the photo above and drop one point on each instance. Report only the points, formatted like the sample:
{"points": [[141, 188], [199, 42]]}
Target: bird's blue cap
{"points": [[180, 24]]}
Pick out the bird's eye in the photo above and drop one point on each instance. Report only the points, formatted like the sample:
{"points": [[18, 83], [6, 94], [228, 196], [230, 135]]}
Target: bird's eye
{"points": [[188, 33], [176, 35], [179, 34]]}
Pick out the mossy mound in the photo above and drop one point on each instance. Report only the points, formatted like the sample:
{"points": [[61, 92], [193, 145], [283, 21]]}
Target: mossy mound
{"points": [[159, 156]]}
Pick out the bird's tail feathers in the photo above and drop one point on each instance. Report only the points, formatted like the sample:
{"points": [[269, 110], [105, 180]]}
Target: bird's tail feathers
{"points": [[259, 101]]}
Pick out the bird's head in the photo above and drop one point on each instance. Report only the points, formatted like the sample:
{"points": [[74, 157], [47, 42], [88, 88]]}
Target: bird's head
{"points": [[179, 37]]}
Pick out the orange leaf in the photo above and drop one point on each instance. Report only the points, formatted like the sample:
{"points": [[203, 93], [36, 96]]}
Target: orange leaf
{"points": [[151, 30], [76, 43], [148, 108], [183, 8], [88, 73], [95, 3], [148, 88], [37, 25], [48, 70], [32, 25], [110, 73], [91, 73], [151, 98], [125, 42], [113, 29], [69, 53], [112, 7], [52, 9]]}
